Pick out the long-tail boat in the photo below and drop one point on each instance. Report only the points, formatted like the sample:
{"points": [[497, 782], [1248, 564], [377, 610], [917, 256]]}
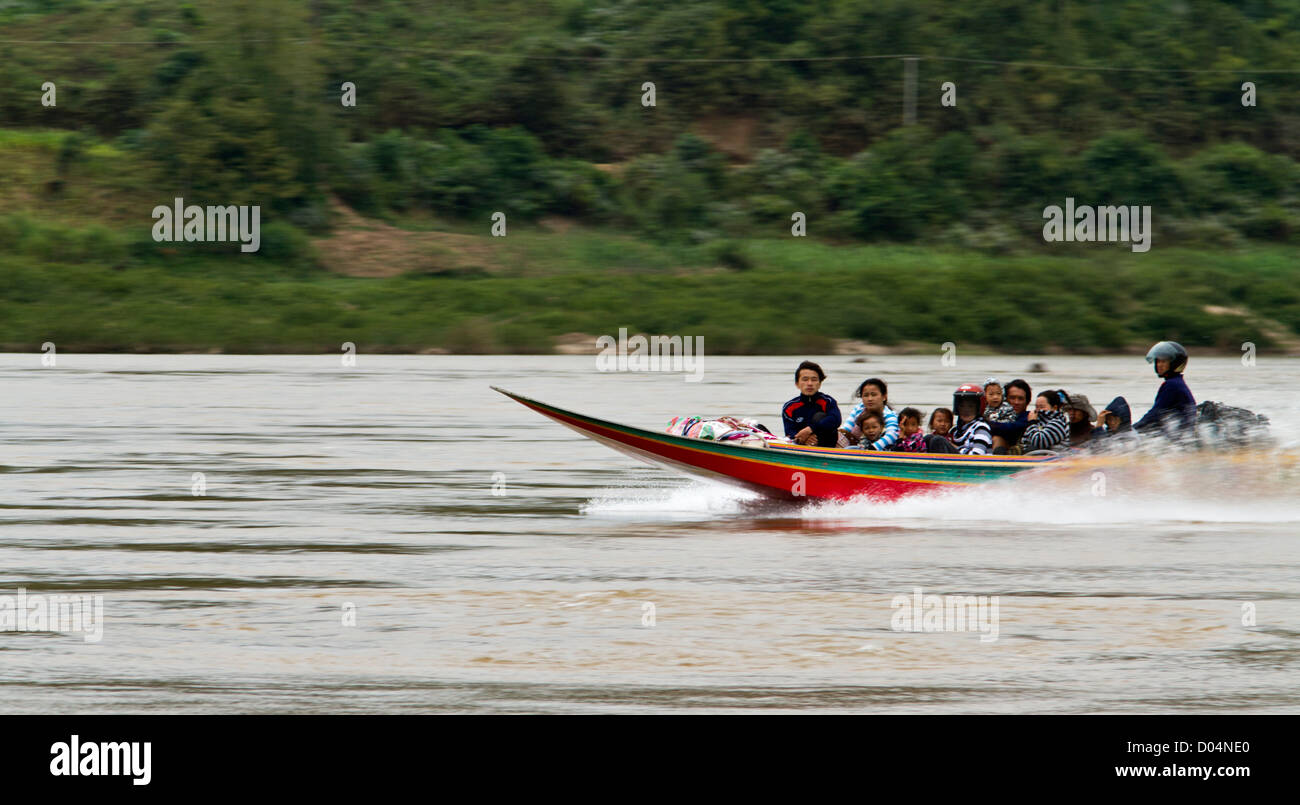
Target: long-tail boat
{"points": [[793, 471]]}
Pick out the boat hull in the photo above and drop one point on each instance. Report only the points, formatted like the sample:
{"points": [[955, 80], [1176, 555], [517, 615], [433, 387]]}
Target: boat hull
{"points": [[793, 471]]}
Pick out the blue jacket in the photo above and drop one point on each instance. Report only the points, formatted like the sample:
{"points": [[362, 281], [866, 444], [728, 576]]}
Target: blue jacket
{"points": [[1175, 401], [1122, 436], [798, 414], [1118, 407], [1013, 430]]}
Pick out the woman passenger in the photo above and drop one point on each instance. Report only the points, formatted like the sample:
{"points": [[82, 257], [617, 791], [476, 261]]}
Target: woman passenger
{"points": [[873, 396], [1081, 415], [1048, 428]]}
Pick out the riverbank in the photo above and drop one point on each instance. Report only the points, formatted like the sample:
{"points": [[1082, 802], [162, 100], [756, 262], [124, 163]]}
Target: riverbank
{"points": [[543, 292], [794, 298]]}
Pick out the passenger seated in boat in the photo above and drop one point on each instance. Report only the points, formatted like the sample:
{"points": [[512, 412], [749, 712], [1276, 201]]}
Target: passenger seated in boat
{"points": [[1114, 428], [872, 426], [873, 396], [940, 423], [812, 418], [996, 408], [970, 436], [1006, 435], [1081, 415], [1174, 411], [912, 439], [1049, 427]]}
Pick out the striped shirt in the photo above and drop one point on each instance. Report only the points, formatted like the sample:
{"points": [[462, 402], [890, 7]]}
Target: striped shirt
{"points": [[972, 438], [887, 439], [1050, 431]]}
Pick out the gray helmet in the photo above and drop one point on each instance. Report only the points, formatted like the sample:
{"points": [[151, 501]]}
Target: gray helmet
{"points": [[1171, 351]]}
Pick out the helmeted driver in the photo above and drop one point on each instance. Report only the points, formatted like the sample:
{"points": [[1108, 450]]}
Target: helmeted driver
{"points": [[1175, 407]]}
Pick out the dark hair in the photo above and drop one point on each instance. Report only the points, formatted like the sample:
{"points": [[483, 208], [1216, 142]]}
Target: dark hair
{"points": [[910, 413], [873, 381], [1019, 384], [809, 365], [865, 415], [1054, 397], [951, 416]]}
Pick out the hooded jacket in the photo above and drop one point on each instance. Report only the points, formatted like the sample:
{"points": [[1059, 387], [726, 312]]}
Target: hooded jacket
{"points": [[1124, 434]]}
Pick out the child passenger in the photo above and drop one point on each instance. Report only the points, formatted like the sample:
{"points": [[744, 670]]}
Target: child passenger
{"points": [[913, 440], [997, 409], [873, 395], [941, 422], [872, 426]]}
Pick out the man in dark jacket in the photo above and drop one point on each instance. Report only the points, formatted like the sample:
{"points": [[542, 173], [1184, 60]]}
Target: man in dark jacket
{"points": [[1175, 406], [1006, 435], [811, 418]]}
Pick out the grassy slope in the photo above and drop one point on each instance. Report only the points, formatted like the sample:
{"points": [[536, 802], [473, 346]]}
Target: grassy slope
{"points": [[562, 284], [796, 296]]}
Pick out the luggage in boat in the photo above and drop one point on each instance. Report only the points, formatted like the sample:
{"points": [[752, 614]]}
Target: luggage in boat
{"points": [[721, 429], [1230, 425]]}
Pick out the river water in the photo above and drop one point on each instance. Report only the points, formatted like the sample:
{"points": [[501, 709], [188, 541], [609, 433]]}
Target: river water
{"points": [[395, 537]]}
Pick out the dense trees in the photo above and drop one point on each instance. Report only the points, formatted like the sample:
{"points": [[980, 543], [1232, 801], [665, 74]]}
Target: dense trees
{"points": [[763, 108]]}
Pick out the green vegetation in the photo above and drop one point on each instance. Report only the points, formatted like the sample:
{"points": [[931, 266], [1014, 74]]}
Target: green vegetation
{"points": [[570, 71], [792, 296], [510, 105], [672, 218]]}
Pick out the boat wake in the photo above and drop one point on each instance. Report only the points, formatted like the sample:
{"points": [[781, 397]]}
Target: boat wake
{"points": [[1191, 488], [697, 500], [1005, 503]]}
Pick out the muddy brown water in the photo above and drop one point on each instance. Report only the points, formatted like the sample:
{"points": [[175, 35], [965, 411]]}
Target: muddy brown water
{"points": [[494, 561]]}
